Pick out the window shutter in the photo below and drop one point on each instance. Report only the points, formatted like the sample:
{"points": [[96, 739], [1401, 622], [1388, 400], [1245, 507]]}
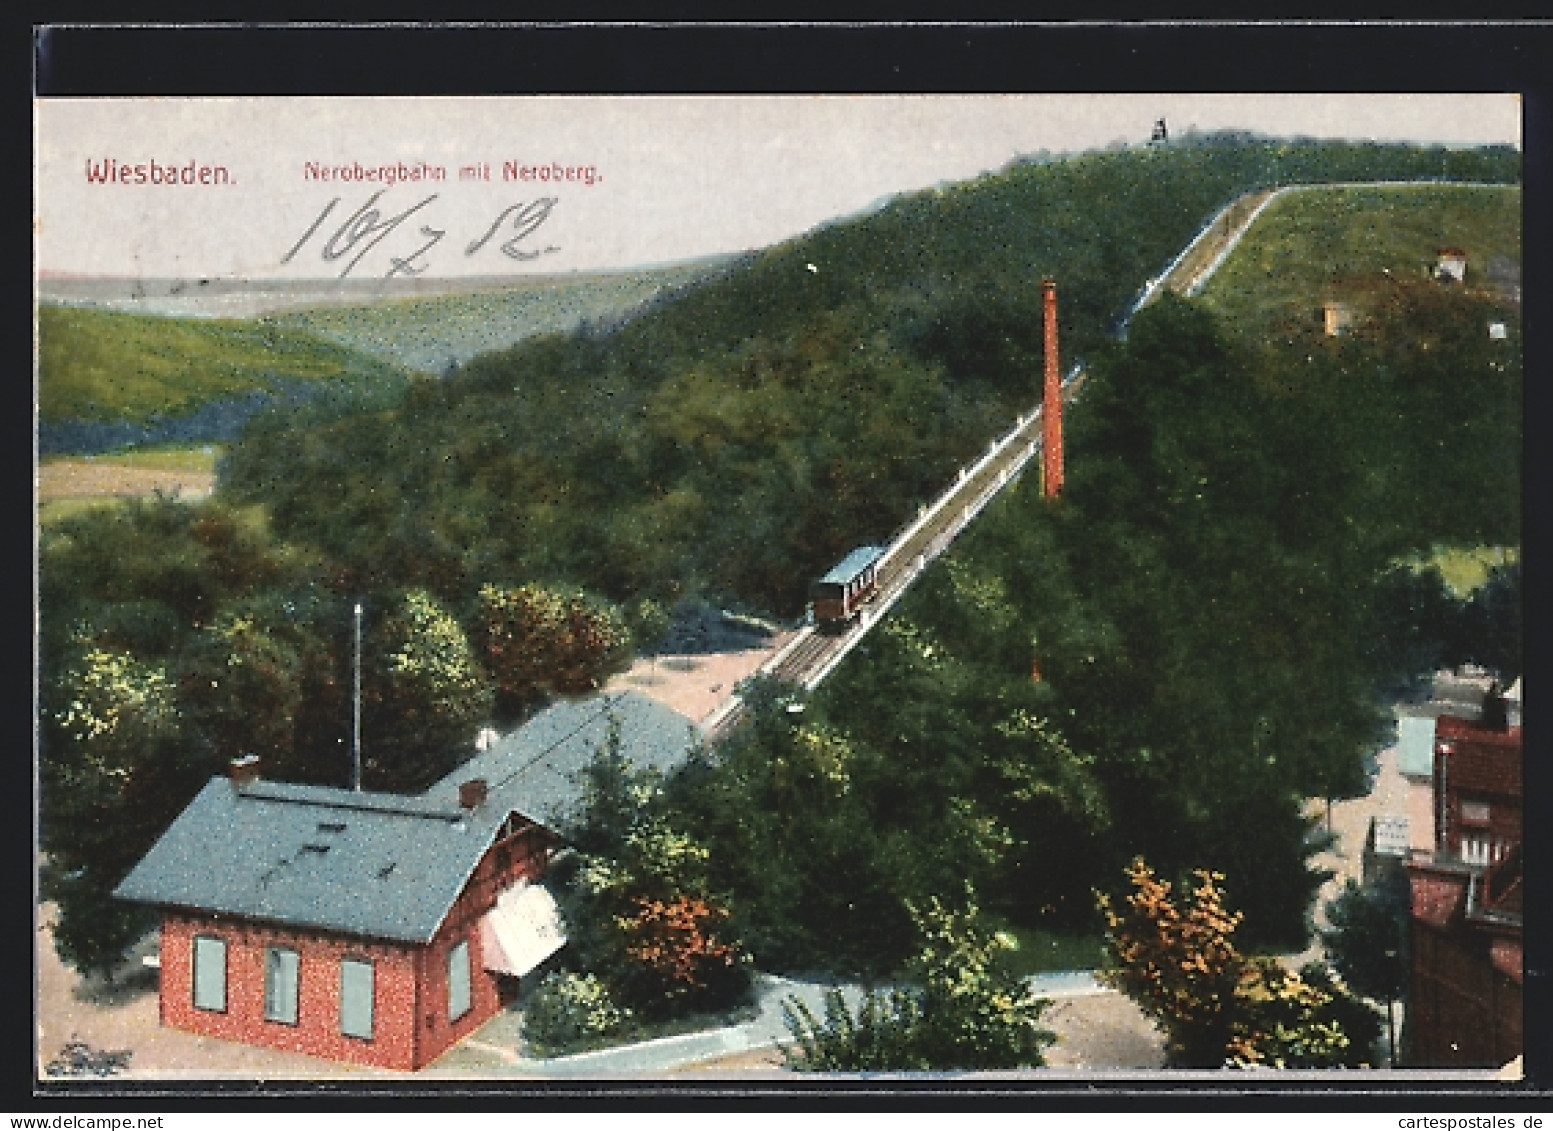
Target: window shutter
{"points": [[281, 967], [356, 988], [210, 973], [458, 981]]}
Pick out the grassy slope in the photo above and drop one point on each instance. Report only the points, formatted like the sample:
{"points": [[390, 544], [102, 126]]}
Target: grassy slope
{"points": [[428, 333], [1318, 244], [1323, 243], [1465, 570], [200, 458], [107, 365]]}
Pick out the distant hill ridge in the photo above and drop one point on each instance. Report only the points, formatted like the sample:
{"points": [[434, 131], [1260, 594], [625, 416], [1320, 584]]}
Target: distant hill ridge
{"points": [[138, 295], [743, 436], [129, 362]]}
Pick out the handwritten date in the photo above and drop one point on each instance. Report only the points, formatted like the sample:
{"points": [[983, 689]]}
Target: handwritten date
{"points": [[369, 226]]}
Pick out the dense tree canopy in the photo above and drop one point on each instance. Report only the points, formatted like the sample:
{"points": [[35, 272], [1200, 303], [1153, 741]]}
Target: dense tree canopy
{"points": [[740, 438], [643, 915], [1170, 660], [1215, 607], [178, 635], [1367, 937]]}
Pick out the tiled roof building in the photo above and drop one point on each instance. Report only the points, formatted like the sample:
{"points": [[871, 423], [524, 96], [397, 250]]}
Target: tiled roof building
{"points": [[1467, 930], [369, 927]]}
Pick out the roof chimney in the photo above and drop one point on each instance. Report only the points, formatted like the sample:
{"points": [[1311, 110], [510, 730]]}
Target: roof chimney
{"points": [[243, 770], [471, 794], [1051, 399], [1495, 714]]}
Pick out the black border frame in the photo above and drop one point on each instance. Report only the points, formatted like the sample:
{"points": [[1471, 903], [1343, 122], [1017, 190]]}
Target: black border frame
{"points": [[98, 59]]}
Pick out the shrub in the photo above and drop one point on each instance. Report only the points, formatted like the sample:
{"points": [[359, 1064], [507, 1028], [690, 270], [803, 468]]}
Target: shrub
{"points": [[882, 1038], [1304, 1019], [536, 641], [962, 1009], [1216, 1006], [682, 963], [571, 1012]]}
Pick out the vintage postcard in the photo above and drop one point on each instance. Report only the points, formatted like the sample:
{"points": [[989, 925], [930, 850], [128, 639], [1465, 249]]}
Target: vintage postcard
{"points": [[735, 588]]}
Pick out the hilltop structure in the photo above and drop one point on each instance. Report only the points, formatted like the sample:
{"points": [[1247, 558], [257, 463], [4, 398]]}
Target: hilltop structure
{"points": [[377, 928], [1451, 265]]}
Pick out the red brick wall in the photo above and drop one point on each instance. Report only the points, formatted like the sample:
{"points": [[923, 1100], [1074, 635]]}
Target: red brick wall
{"points": [[410, 1007], [524, 856], [1463, 1012], [437, 1032], [1483, 766], [317, 1031], [497, 871], [1437, 895]]}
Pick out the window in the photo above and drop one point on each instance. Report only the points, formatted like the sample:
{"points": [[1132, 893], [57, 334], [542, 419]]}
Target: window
{"points": [[281, 968], [356, 989], [458, 981], [1474, 812], [1475, 849], [210, 973]]}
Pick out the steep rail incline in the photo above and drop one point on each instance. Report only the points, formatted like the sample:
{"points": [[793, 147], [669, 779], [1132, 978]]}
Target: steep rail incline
{"points": [[811, 655]]}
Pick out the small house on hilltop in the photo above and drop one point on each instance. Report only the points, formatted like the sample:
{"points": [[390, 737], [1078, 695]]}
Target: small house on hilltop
{"points": [[1451, 264], [377, 928], [1336, 317]]}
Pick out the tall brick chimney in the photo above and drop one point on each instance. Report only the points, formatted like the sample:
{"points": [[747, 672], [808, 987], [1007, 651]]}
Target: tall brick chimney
{"points": [[1051, 399]]}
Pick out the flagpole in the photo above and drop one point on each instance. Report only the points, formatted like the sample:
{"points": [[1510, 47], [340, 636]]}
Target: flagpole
{"points": [[356, 709]]}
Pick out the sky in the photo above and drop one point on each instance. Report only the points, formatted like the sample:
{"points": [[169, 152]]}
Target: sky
{"points": [[287, 194]]}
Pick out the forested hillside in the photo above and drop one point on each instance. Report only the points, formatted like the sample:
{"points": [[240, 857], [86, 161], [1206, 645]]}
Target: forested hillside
{"points": [[1170, 661], [1199, 637], [739, 440], [436, 332]]}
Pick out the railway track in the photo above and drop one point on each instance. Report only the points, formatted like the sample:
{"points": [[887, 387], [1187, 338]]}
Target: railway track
{"points": [[811, 655]]}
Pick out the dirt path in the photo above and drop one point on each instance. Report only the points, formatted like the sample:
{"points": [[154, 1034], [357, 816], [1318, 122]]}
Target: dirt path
{"points": [[84, 479], [124, 1016], [695, 684], [1095, 1032]]}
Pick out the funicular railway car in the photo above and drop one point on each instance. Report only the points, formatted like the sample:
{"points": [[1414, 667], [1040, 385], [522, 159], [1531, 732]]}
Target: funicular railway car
{"points": [[841, 592]]}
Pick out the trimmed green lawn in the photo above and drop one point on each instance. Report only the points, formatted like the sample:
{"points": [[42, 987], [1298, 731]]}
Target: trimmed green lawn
{"points": [[57, 510], [1315, 244], [200, 457]]}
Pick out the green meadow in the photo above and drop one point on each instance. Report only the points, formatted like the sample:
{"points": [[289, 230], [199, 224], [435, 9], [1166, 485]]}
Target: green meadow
{"points": [[108, 365], [1321, 243]]}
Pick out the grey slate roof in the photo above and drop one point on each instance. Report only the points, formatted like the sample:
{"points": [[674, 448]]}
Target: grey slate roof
{"points": [[384, 865], [536, 768]]}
